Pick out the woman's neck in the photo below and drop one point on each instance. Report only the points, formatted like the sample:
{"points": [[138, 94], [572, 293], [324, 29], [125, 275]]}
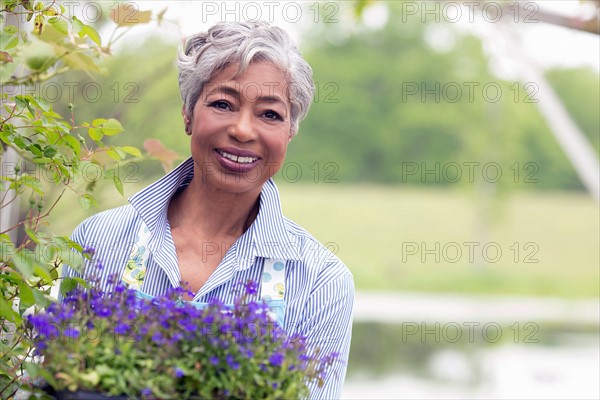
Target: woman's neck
{"points": [[212, 213]]}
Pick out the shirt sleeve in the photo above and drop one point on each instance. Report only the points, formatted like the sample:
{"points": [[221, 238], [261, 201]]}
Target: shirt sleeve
{"points": [[329, 329]]}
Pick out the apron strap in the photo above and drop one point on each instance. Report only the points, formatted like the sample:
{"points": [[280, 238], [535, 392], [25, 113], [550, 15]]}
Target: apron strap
{"points": [[135, 267], [273, 280]]}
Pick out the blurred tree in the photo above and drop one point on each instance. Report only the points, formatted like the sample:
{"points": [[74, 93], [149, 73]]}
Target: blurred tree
{"points": [[386, 101]]}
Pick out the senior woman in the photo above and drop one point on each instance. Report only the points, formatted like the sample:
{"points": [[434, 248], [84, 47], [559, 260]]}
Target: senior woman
{"points": [[216, 219]]}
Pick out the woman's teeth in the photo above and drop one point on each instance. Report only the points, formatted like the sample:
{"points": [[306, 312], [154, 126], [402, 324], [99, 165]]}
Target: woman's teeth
{"points": [[241, 160]]}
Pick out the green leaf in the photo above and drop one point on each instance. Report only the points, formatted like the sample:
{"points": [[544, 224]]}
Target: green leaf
{"points": [[91, 378], [59, 24], [72, 143], [86, 201], [22, 101], [112, 127], [33, 183], [26, 295], [134, 151], [118, 184], [41, 271], [78, 26], [82, 282], [67, 242], [32, 235], [35, 149], [20, 142], [6, 311], [22, 260], [50, 151], [98, 122], [51, 35], [95, 133], [12, 43], [81, 61], [116, 153], [10, 29], [40, 298], [92, 34], [41, 103], [67, 285], [41, 160], [35, 370]]}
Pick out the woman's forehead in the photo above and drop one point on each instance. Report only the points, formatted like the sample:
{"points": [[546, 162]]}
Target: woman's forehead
{"points": [[259, 80]]}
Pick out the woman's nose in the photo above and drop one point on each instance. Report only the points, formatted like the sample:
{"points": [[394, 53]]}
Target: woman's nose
{"points": [[242, 128]]}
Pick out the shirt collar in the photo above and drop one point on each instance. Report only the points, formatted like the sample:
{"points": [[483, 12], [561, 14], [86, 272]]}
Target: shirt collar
{"points": [[267, 236]]}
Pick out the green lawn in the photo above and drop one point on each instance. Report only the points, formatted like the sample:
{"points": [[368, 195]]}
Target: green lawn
{"points": [[387, 236]]}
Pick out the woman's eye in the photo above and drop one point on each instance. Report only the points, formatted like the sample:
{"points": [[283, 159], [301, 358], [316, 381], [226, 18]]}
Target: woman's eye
{"points": [[270, 114], [220, 104]]}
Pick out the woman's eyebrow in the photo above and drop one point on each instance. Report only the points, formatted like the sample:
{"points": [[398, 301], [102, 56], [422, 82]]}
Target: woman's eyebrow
{"points": [[233, 91], [223, 89]]}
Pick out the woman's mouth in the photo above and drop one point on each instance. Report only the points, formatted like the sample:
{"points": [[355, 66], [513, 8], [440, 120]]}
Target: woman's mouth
{"points": [[238, 159], [235, 160]]}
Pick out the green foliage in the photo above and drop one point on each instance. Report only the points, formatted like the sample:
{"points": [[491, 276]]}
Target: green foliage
{"points": [[413, 105], [53, 148]]}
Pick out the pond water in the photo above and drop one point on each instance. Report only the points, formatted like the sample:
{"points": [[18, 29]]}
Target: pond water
{"points": [[470, 360]]}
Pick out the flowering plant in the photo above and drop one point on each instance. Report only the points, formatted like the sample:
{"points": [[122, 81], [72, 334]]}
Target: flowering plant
{"points": [[120, 344]]}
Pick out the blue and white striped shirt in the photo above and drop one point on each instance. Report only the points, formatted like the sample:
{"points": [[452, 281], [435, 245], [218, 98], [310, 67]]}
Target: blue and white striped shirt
{"points": [[319, 288]]}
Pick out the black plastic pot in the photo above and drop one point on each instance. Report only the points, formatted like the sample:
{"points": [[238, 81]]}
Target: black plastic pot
{"points": [[79, 395]]}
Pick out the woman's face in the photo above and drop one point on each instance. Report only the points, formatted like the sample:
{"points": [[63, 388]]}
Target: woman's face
{"points": [[241, 128]]}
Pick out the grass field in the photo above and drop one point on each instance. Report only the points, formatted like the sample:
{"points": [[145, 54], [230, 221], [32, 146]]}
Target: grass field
{"points": [[439, 240], [390, 238]]}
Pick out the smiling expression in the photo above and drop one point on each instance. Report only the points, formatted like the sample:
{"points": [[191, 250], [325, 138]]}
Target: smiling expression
{"points": [[241, 127]]}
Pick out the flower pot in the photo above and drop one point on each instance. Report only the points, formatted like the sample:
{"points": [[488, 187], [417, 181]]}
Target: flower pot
{"points": [[79, 395]]}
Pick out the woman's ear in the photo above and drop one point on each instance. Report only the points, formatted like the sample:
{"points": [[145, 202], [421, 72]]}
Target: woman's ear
{"points": [[186, 121]]}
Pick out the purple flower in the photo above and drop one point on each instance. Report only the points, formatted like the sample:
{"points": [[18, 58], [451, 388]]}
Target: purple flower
{"points": [[330, 358], [89, 250], [251, 287], [214, 360], [225, 328], [231, 362], [46, 328], [121, 329], [179, 373], [276, 359], [157, 337], [146, 392], [176, 337], [71, 332]]}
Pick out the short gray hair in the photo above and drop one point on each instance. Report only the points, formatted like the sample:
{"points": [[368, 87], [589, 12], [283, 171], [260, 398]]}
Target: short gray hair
{"points": [[206, 53]]}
